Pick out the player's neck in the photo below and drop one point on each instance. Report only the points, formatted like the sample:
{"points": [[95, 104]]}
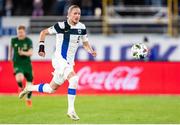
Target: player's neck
{"points": [[21, 38], [71, 23]]}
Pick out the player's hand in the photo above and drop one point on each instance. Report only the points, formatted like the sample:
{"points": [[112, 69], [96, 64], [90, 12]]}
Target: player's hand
{"points": [[41, 51], [93, 53], [20, 51], [42, 54]]}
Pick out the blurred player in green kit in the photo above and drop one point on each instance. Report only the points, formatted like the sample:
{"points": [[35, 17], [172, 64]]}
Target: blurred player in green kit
{"points": [[21, 51]]}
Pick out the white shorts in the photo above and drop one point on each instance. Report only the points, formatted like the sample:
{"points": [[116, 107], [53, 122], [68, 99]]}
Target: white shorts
{"points": [[61, 70]]}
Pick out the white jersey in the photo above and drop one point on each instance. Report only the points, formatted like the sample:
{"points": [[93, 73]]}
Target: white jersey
{"points": [[67, 39]]}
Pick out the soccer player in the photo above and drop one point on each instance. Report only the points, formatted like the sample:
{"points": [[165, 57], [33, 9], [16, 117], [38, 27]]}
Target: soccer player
{"points": [[21, 49], [68, 35]]}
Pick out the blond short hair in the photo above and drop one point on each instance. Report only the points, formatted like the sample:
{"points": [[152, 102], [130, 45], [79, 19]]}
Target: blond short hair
{"points": [[72, 7]]}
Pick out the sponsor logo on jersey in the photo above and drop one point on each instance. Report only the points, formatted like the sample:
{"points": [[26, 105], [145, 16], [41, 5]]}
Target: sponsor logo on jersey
{"points": [[79, 31], [25, 47]]}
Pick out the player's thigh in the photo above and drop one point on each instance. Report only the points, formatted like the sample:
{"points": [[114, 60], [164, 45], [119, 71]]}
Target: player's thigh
{"points": [[57, 79], [59, 67]]}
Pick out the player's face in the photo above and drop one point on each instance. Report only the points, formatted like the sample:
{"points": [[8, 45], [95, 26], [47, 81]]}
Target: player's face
{"points": [[75, 15], [21, 34]]}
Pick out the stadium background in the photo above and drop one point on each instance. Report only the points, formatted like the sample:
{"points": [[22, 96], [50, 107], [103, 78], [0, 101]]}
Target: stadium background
{"points": [[113, 76]]}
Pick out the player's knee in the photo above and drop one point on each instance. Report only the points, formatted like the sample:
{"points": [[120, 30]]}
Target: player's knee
{"points": [[51, 91], [73, 82], [19, 77]]}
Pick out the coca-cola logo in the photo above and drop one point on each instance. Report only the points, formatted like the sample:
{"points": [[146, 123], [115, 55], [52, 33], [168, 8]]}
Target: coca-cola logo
{"points": [[119, 78]]}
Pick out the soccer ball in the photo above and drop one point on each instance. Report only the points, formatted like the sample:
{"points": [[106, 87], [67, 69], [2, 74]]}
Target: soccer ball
{"points": [[139, 51]]}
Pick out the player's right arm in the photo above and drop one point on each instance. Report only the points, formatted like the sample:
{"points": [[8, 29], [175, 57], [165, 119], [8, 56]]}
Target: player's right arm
{"points": [[43, 34], [10, 51], [42, 37]]}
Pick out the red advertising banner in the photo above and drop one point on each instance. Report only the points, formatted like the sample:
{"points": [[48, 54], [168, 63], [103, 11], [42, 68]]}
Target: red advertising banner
{"points": [[106, 77]]}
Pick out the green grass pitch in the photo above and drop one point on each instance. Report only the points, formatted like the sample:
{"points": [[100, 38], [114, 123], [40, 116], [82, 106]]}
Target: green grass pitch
{"points": [[92, 109]]}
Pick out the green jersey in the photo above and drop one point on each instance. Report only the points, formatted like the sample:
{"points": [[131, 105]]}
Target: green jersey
{"points": [[24, 45]]}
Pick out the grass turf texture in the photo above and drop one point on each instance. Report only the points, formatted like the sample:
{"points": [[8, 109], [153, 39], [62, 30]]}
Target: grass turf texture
{"points": [[92, 109]]}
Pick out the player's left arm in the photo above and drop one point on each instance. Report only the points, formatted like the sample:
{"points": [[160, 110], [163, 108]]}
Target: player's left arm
{"points": [[86, 44], [88, 48]]}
